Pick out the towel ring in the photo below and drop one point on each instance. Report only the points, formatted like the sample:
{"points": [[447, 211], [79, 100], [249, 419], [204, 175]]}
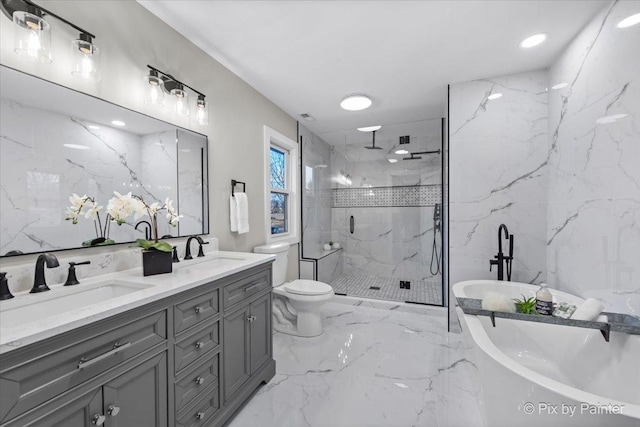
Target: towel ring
{"points": [[233, 185]]}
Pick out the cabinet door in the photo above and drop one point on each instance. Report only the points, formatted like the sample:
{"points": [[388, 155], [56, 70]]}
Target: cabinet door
{"points": [[260, 332], [139, 396], [78, 412], [236, 348]]}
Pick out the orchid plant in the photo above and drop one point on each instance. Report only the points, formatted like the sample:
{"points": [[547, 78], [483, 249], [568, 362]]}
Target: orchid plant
{"points": [[118, 209], [92, 211]]}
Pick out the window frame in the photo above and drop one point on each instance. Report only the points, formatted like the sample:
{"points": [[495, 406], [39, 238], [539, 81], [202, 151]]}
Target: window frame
{"points": [[275, 139]]}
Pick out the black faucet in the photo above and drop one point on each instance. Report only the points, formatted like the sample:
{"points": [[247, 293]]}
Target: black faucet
{"points": [[187, 253], [500, 259], [72, 279], [39, 282], [5, 293], [147, 230]]}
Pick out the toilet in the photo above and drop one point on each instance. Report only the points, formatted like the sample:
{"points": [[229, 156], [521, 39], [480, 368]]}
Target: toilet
{"points": [[296, 304]]}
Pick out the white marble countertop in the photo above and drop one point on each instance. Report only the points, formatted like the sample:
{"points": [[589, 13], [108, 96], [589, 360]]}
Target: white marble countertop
{"points": [[186, 275]]}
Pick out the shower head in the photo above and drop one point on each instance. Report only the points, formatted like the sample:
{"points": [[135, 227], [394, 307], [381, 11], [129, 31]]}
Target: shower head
{"points": [[373, 144], [416, 155]]}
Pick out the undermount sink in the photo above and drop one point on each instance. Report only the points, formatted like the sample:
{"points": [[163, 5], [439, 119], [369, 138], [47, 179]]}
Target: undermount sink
{"points": [[33, 307], [213, 263]]}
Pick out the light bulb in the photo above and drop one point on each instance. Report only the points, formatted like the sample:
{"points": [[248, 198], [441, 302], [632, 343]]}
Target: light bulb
{"points": [[34, 45], [87, 66]]}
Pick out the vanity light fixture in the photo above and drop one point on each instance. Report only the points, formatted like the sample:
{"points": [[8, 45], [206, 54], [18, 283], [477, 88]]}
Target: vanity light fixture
{"points": [[494, 96], [370, 128], [32, 38], [155, 89], [533, 40], [159, 81], [355, 102], [629, 21]]}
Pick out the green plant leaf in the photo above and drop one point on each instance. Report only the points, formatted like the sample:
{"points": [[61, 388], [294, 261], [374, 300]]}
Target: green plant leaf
{"points": [[150, 245]]}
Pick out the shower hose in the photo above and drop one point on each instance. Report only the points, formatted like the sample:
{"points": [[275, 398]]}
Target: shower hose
{"points": [[435, 269]]}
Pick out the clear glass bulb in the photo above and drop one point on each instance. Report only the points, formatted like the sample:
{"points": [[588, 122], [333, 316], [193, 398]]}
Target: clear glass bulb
{"points": [[32, 37], [34, 45], [86, 60], [154, 87]]}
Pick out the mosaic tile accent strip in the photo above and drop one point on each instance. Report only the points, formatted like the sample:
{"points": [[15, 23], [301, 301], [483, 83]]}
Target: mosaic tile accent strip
{"points": [[400, 196], [424, 291]]}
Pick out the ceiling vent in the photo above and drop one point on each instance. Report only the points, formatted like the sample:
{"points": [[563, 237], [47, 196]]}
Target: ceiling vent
{"points": [[308, 117]]}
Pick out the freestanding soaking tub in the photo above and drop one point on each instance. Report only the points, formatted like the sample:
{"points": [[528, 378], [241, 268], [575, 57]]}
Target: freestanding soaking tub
{"points": [[535, 374]]}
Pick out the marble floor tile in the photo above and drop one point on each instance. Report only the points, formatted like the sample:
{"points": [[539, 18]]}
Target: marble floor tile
{"points": [[371, 367]]}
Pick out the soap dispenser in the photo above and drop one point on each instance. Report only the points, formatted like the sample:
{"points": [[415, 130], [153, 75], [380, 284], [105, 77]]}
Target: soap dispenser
{"points": [[5, 293]]}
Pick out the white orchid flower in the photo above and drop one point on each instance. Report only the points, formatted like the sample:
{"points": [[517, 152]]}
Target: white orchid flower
{"points": [[77, 201], [92, 212]]}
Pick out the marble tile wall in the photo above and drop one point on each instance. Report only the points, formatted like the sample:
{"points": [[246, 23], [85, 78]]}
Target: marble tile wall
{"points": [[498, 174], [593, 214], [316, 199]]}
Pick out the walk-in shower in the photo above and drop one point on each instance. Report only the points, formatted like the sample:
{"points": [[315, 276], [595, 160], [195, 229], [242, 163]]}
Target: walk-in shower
{"points": [[378, 199]]}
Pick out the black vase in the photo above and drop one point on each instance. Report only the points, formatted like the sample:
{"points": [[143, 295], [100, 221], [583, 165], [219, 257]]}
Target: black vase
{"points": [[156, 262]]}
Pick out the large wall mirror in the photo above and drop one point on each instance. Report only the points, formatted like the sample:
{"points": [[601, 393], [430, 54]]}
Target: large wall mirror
{"points": [[56, 141]]}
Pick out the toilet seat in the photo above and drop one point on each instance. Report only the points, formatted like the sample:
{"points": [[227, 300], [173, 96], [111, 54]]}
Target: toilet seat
{"points": [[307, 287]]}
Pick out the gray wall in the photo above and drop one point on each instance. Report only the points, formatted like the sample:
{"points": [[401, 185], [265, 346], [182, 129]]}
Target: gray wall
{"points": [[129, 38]]}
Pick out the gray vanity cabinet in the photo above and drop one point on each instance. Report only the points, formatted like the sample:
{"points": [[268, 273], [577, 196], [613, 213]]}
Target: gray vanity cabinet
{"points": [[247, 338], [191, 359]]}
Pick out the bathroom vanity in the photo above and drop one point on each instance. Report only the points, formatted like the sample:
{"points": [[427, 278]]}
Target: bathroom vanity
{"points": [[187, 350]]}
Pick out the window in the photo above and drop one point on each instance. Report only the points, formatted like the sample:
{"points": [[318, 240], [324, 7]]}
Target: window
{"points": [[281, 170]]}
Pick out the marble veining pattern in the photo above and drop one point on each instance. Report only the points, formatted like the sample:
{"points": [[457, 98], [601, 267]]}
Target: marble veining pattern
{"points": [[371, 367], [498, 162], [593, 214]]}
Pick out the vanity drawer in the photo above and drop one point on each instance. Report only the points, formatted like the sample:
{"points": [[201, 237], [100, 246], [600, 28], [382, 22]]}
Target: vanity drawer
{"points": [[203, 411], [59, 369], [195, 345], [236, 292], [195, 310], [196, 381]]}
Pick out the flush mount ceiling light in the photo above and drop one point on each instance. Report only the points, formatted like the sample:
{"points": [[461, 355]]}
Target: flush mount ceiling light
{"points": [[159, 82], [355, 102], [629, 21], [32, 38], [560, 86], [494, 96], [370, 128], [402, 152], [533, 40], [118, 123]]}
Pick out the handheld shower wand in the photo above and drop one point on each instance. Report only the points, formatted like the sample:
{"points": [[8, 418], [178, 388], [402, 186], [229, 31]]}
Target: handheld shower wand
{"points": [[437, 268]]}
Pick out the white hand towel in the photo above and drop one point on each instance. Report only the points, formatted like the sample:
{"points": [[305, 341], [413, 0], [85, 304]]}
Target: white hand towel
{"points": [[588, 310], [233, 213], [242, 206]]}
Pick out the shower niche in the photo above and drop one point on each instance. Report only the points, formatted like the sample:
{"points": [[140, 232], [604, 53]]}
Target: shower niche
{"points": [[377, 195]]}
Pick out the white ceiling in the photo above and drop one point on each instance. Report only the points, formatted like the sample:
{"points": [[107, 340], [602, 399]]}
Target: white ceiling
{"points": [[305, 56]]}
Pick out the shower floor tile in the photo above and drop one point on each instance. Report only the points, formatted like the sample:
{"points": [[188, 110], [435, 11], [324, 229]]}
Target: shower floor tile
{"points": [[422, 291]]}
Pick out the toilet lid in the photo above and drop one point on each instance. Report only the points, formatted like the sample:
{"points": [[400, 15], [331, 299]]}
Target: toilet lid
{"points": [[307, 287]]}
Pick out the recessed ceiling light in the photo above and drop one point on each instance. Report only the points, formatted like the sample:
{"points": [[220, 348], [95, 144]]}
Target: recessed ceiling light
{"points": [[402, 152], [560, 85], [494, 96], [610, 119], [629, 21], [393, 160], [369, 128], [117, 123], [533, 40], [355, 102], [94, 127], [76, 146]]}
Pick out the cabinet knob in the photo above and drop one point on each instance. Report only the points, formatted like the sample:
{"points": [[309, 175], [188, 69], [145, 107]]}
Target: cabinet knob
{"points": [[113, 410], [98, 419], [199, 380], [198, 309], [200, 415], [198, 344]]}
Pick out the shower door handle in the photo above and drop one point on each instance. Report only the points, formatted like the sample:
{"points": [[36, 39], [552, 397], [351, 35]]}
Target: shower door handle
{"points": [[352, 224]]}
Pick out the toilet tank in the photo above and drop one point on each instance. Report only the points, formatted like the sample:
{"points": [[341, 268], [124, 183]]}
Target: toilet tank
{"points": [[281, 251]]}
